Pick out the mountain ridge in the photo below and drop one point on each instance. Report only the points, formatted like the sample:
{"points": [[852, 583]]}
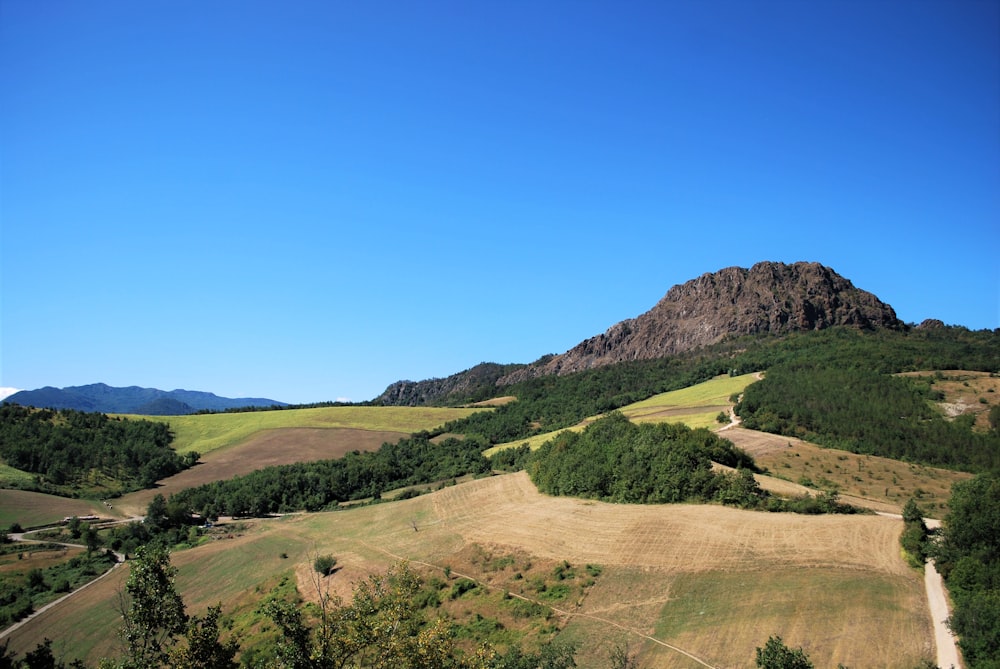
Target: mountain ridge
{"points": [[768, 298], [103, 398]]}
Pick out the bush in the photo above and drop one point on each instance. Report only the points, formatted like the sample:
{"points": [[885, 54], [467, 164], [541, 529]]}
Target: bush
{"points": [[325, 564]]}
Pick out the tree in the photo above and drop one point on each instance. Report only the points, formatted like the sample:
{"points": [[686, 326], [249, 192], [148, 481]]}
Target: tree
{"points": [[380, 628], [153, 612], [776, 655], [91, 538], [324, 564], [204, 649], [968, 557], [156, 513]]}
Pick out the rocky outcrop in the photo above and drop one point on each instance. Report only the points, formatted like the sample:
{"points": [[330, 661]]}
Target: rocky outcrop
{"points": [[768, 298], [463, 384]]}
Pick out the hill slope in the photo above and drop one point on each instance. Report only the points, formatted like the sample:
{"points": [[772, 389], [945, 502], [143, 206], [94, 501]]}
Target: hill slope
{"points": [[135, 400], [768, 298], [687, 575]]}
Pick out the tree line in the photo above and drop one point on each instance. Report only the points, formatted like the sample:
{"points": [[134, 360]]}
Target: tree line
{"points": [[968, 557], [313, 486], [69, 448], [550, 403], [615, 460], [861, 410]]}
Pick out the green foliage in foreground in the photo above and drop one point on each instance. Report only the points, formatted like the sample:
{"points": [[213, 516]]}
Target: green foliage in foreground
{"points": [[968, 557], [71, 449], [862, 411], [382, 627]]}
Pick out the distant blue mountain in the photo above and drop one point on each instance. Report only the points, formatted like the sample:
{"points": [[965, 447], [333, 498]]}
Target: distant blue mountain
{"points": [[144, 401]]}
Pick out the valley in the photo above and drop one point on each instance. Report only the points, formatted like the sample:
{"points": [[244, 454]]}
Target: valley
{"points": [[681, 585]]}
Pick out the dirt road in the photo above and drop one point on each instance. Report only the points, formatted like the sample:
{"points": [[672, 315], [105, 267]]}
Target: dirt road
{"points": [[944, 640]]}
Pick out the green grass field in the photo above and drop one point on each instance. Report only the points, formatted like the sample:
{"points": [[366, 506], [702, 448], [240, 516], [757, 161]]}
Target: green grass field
{"points": [[12, 478], [695, 406], [209, 432], [31, 509], [715, 392]]}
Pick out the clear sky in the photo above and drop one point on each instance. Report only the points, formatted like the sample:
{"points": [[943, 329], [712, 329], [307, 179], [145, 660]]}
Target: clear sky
{"points": [[308, 201]]}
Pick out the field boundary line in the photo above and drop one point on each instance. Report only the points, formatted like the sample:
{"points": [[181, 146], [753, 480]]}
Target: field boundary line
{"points": [[567, 614]]}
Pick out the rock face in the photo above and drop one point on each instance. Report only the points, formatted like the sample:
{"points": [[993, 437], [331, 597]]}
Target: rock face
{"points": [[416, 393], [769, 297]]}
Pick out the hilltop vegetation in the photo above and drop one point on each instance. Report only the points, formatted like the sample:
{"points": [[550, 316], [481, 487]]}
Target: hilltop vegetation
{"points": [[326, 483], [551, 403], [860, 410], [70, 451]]}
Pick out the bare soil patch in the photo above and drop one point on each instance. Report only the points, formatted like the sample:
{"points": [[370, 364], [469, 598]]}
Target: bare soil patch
{"points": [[965, 392], [265, 449]]}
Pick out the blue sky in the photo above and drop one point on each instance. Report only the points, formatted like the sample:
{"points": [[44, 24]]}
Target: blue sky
{"points": [[308, 201]]}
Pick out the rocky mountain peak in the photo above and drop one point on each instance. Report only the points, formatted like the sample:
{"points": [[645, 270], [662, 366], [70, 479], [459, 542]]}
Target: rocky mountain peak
{"points": [[768, 298]]}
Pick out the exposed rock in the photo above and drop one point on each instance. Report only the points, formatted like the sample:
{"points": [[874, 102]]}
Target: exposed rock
{"points": [[416, 393], [769, 297]]}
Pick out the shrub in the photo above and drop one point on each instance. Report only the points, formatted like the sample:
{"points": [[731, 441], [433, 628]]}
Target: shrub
{"points": [[324, 564]]}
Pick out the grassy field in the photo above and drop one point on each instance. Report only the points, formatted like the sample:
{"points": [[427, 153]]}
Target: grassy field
{"points": [[665, 568], [696, 406], [210, 432], [32, 509], [10, 477], [863, 480]]}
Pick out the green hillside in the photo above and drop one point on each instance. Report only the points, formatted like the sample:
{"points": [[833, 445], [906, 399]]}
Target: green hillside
{"points": [[209, 432], [834, 388]]}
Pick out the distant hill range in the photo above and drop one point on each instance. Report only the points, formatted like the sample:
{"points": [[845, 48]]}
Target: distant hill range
{"points": [[144, 401], [768, 298]]}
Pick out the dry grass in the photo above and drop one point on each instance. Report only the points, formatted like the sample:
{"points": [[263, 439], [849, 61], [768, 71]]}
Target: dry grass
{"points": [[660, 562], [965, 392], [495, 402], [866, 480]]}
